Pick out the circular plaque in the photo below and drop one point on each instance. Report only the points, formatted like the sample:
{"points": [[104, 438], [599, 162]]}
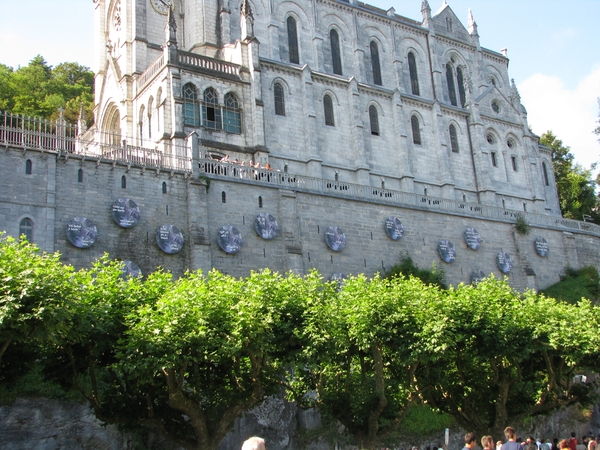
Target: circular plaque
{"points": [[169, 238], [229, 239], [338, 277], [504, 262], [81, 232], [266, 226], [472, 238], [125, 212], [394, 228], [477, 276], [541, 247], [335, 238], [447, 251], [131, 269]]}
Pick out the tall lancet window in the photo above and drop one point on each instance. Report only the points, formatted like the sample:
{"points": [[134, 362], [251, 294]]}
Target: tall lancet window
{"points": [[375, 67], [279, 99], [450, 82], [336, 57], [293, 40], [414, 77]]}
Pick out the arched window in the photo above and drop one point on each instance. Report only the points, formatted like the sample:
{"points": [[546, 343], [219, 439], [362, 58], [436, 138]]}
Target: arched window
{"points": [[164, 187], [191, 111], [28, 167], [293, 41], [232, 116], [374, 120], [80, 176], [450, 82], [26, 228], [158, 99], [328, 110], [375, 64], [124, 182], [336, 57], [545, 173], [461, 87], [211, 114], [279, 99], [453, 138], [150, 106], [494, 159], [141, 122], [416, 130], [223, 197], [414, 78]]}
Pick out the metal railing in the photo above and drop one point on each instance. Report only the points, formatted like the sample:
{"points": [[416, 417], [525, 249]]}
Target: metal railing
{"points": [[35, 133], [31, 133], [214, 168]]}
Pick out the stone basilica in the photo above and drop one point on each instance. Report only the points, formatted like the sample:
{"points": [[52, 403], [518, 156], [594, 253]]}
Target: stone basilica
{"points": [[300, 134]]}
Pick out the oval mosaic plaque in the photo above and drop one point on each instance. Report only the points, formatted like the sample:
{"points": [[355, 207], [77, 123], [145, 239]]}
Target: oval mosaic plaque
{"points": [[229, 239], [125, 212], [477, 276], [472, 238], [266, 226], [82, 232], [541, 247], [447, 251], [169, 238], [504, 262], [131, 269], [335, 238], [394, 228]]}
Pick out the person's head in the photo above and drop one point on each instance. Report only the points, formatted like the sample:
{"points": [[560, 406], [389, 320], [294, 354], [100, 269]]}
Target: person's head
{"points": [[487, 442], [254, 443], [470, 440], [531, 445], [563, 444], [498, 445], [572, 434], [509, 432]]}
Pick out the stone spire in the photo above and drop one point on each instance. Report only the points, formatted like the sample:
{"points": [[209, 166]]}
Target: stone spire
{"points": [[472, 25], [426, 12], [514, 96], [170, 47], [171, 27], [81, 122], [247, 20]]}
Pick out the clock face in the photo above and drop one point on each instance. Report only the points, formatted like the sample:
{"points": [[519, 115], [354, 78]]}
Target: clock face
{"points": [[162, 6]]}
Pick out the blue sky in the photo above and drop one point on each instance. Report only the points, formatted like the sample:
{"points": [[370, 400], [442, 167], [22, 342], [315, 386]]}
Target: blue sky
{"points": [[553, 46]]}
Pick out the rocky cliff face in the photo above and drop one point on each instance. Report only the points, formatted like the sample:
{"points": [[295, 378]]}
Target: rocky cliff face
{"points": [[43, 424]]}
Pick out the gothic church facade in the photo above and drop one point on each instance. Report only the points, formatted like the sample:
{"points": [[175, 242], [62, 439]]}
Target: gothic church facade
{"points": [[327, 134]]}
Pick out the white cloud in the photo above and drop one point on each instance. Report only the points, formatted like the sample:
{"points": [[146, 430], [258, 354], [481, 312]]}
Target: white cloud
{"points": [[572, 115]]}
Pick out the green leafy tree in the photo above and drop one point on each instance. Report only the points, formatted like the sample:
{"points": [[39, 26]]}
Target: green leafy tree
{"points": [[574, 184], [498, 356], [362, 352], [39, 90], [34, 294], [208, 349]]}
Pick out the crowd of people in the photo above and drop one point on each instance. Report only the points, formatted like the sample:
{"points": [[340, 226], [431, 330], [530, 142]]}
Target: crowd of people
{"points": [[513, 442]]}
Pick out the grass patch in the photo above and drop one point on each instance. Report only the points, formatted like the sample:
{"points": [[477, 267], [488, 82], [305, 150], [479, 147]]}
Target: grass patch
{"points": [[576, 283]]}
